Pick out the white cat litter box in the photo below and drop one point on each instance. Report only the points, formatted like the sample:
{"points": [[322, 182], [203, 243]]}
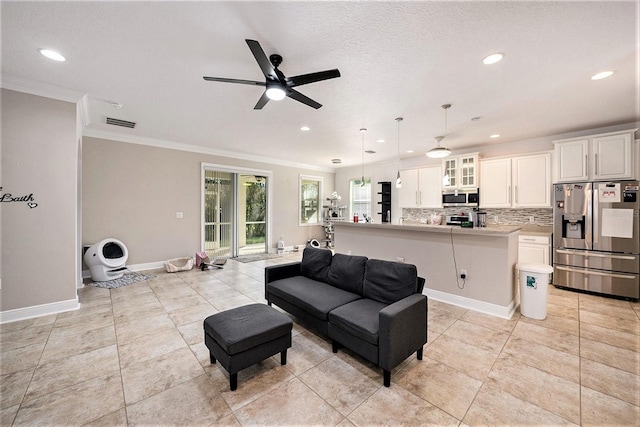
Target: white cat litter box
{"points": [[106, 260]]}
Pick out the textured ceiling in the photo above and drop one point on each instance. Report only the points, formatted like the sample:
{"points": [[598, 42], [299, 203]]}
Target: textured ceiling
{"points": [[396, 59]]}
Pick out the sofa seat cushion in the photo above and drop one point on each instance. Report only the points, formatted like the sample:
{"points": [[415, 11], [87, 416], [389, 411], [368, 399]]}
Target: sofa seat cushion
{"points": [[359, 318], [316, 298]]}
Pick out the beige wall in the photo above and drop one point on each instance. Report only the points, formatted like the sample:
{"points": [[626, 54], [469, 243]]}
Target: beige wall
{"points": [[39, 245], [132, 192]]}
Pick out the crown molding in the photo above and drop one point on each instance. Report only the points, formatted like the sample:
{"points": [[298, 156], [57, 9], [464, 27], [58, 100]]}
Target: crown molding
{"points": [[172, 145], [19, 84]]}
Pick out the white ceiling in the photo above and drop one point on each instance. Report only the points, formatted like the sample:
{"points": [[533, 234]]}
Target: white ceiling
{"points": [[396, 59]]}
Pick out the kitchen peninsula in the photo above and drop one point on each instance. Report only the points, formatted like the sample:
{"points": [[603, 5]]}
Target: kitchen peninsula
{"points": [[440, 252]]}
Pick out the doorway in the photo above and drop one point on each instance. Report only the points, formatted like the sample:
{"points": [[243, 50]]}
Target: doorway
{"points": [[235, 212]]}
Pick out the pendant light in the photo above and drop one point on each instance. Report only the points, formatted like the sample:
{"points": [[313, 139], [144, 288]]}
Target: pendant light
{"points": [[362, 131], [439, 152], [398, 179]]}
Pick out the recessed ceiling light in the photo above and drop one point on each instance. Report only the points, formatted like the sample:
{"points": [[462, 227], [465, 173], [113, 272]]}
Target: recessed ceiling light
{"points": [[409, 151], [305, 128], [495, 135], [602, 75], [381, 141], [52, 54], [493, 58]]}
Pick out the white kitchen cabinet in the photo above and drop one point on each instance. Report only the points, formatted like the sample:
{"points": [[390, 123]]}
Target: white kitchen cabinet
{"points": [[534, 249], [516, 182], [595, 157], [495, 187], [460, 171], [421, 188], [531, 181]]}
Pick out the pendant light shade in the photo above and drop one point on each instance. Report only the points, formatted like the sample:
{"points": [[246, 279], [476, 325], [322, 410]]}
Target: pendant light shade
{"points": [[398, 179], [439, 152]]}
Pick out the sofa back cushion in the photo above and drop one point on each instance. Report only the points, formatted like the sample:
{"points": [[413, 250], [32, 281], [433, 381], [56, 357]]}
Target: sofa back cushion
{"points": [[347, 272], [315, 263], [388, 282]]}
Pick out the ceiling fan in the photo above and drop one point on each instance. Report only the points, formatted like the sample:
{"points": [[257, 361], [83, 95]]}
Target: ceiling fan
{"points": [[277, 85]]}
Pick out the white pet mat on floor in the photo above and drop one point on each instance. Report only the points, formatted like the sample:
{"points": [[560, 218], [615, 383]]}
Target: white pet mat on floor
{"points": [[128, 279]]}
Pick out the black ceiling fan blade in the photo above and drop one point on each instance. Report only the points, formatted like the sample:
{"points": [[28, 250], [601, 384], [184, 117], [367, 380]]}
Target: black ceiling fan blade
{"points": [[262, 101], [263, 61], [302, 98], [304, 79], [225, 80]]}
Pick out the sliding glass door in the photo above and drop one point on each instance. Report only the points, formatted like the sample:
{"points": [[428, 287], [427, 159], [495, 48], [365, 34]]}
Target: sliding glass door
{"points": [[219, 212], [235, 213]]}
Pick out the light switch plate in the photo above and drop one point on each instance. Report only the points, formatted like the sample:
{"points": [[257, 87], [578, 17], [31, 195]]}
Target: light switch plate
{"points": [[179, 215]]}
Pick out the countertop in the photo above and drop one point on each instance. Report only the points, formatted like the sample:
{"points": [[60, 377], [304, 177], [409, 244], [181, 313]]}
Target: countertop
{"points": [[491, 230]]}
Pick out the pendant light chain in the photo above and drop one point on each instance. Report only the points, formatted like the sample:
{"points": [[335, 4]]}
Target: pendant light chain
{"points": [[398, 179], [362, 131]]}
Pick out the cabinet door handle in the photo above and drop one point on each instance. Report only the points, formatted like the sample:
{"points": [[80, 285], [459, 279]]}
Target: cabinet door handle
{"points": [[528, 240], [509, 191], [417, 203], [516, 194], [596, 163]]}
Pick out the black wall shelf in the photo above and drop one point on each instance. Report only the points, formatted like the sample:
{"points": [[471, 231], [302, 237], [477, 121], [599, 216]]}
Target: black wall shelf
{"points": [[385, 200]]}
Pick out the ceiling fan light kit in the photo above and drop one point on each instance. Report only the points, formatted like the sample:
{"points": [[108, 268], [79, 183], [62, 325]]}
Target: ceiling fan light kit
{"points": [[277, 85]]}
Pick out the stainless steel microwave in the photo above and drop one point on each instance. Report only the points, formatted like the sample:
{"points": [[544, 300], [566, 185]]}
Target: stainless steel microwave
{"points": [[466, 197]]}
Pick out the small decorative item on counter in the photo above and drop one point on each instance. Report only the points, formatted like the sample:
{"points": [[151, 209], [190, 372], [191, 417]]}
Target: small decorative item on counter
{"points": [[355, 217], [436, 219], [423, 221]]}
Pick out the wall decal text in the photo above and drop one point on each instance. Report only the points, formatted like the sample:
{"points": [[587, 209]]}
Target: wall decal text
{"points": [[8, 198]]}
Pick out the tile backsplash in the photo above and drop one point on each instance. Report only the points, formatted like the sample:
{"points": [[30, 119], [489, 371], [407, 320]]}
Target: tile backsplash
{"points": [[541, 216]]}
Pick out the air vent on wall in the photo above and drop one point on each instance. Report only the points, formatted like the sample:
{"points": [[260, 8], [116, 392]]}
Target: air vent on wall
{"points": [[118, 122], [370, 152]]}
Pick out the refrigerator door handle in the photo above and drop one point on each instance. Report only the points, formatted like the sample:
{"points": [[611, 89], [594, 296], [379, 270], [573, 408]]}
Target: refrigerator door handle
{"points": [[569, 252], [596, 214], [596, 273]]}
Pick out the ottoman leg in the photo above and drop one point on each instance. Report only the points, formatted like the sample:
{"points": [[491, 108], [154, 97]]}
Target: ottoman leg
{"points": [[283, 357], [233, 381], [212, 358]]}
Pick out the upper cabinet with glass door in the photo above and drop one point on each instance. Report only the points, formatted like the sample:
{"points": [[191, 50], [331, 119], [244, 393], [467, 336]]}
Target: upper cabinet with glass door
{"points": [[460, 171]]}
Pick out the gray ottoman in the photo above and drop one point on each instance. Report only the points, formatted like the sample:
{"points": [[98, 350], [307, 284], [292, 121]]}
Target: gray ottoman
{"points": [[246, 335]]}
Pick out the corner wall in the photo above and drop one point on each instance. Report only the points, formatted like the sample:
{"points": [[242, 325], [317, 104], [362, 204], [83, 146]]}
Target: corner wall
{"points": [[39, 228]]}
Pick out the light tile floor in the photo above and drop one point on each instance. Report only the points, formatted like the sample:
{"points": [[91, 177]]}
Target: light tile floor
{"points": [[135, 356]]}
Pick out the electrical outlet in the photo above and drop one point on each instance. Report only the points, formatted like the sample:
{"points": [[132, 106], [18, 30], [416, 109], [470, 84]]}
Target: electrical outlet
{"points": [[495, 219], [400, 259], [531, 219], [463, 273]]}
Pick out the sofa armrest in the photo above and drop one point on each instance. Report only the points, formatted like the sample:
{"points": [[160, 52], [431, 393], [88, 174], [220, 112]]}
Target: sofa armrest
{"points": [[281, 271], [402, 330]]}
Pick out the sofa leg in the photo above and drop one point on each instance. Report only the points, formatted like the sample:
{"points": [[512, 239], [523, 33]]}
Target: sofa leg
{"points": [[387, 377], [419, 353], [334, 346], [212, 358], [269, 303], [283, 357], [233, 381]]}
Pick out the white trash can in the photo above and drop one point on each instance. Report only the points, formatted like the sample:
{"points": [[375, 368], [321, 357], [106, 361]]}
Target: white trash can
{"points": [[534, 285]]}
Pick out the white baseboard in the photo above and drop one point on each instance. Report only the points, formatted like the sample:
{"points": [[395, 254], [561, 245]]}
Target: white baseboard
{"points": [[38, 310], [86, 274], [504, 312]]}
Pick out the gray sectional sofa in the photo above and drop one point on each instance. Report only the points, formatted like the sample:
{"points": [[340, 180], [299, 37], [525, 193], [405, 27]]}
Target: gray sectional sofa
{"points": [[373, 307]]}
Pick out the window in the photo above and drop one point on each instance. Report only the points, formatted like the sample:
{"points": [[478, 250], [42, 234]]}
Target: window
{"points": [[360, 198], [310, 197]]}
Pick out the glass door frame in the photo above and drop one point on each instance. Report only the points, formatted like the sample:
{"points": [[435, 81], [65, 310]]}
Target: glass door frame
{"points": [[238, 171]]}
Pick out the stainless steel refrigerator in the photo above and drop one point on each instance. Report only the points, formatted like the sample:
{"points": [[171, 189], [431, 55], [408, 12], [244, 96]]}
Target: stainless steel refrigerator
{"points": [[596, 237]]}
